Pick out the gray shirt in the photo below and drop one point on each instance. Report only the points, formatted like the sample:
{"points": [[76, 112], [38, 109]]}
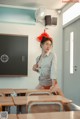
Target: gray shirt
{"points": [[47, 68]]}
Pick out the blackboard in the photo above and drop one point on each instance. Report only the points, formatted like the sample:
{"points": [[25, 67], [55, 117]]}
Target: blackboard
{"points": [[13, 55]]}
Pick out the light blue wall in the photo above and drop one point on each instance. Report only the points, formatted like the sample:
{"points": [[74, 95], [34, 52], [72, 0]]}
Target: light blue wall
{"points": [[17, 15]]}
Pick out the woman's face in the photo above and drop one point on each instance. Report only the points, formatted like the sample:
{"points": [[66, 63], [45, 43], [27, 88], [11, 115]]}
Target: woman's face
{"points": [[46, 46]]}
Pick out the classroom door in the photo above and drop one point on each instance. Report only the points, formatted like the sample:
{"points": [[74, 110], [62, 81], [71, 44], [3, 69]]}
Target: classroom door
{"points": [[71, 56]]}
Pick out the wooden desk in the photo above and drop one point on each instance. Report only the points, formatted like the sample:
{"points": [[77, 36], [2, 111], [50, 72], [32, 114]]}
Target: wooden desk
{"points": [[12, 116], [47, 100], [38, 92], [6, 101], [1, 95], [23, 92], [20, 101], [52, 98], [6, 92], [54, 115], [20, 92]]}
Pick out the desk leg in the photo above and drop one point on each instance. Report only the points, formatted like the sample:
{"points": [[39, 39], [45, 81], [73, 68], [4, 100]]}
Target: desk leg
{"points": [[18, 109], [6, 108], [3, 108], [21, 109], [0, 108], [66, 107]]}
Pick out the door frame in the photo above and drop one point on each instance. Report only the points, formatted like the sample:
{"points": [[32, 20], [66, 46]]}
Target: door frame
{"points": [[72, 21]]}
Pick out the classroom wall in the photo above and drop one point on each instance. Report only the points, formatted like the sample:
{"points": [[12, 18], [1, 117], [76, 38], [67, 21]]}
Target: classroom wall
{"points": [[34, 50]]}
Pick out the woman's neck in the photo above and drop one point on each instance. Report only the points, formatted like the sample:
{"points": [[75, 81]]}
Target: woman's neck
{"points": [[43, 53]]}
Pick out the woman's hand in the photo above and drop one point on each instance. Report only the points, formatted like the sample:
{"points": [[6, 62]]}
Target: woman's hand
{"points": [[35, 67], [56, 89]]}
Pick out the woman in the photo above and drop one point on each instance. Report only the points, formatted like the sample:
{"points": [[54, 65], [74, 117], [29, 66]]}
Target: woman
{"points": [[46, 66]]}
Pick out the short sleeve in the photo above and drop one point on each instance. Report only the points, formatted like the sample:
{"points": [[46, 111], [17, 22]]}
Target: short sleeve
{"points": [[53, 74]]}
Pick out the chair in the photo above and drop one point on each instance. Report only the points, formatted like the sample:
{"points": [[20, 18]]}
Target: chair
{"points": [[38, 93], [39, 107]]}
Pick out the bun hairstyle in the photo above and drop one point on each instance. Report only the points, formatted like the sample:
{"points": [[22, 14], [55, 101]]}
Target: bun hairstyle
{"points": [[44, 39]]}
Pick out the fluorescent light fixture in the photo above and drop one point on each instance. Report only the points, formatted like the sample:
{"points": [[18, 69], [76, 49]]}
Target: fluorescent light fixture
{"points": [[42, 14]]}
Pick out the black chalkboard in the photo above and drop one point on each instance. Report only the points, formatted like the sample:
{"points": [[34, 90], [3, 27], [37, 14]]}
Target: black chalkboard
{"points": [[13, 55]]}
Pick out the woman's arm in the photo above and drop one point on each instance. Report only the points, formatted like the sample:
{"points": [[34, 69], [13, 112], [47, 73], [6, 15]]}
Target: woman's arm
{"points": [[55, 88], [53, 73], [35, 67]]}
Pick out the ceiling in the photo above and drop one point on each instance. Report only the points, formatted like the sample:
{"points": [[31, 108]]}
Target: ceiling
{"points": [[49, 4]]}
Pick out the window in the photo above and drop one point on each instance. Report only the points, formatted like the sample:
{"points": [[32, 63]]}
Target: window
{"points": [[71, 13], [71, 51]]}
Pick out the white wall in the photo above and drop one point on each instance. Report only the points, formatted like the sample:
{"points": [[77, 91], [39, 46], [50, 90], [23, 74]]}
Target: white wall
{"points": [[33, 51]]}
